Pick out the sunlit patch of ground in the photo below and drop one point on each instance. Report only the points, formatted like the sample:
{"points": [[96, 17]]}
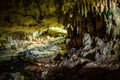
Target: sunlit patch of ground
{"points": [[40, 46]]}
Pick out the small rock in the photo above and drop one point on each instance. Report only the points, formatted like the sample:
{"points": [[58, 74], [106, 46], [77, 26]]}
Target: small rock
{"points": [[57, 57], [17, 76]]}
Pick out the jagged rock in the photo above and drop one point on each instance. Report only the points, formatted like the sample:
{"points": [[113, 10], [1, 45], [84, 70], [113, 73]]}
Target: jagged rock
{"points": [[89, 53], [98, 56], [99, 42], [87, 40], [38, 13], [57, 56], [17, 76]]}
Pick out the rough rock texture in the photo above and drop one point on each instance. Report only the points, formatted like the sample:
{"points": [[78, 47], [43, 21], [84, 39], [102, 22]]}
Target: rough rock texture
{"points": [[98, 62], [92, 40], [99, 18], [20, 19], [25, 13]]}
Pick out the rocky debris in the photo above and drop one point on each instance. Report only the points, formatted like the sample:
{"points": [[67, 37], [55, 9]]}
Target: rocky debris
{"points": [[45, 46], [17, 76], [96, 60], [89, 62], [19, 68], [100, 51], [28, 59], [42, 51]]}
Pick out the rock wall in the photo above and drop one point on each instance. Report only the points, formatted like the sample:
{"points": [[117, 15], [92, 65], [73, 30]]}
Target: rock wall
{"points": [[24, 12], [21, 18], [97, 17]]}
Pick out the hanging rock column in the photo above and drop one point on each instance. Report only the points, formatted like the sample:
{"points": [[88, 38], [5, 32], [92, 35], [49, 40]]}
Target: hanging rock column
{"points": [[95, 17]]}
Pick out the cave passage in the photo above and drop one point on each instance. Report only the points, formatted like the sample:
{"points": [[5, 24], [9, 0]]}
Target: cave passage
{"points": [[59, 40]]}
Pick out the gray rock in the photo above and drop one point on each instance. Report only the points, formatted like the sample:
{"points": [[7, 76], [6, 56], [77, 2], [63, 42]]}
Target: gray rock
{"points": [[87, 40], [8, 46], [17, 76], [97, 57], [99, 42]]}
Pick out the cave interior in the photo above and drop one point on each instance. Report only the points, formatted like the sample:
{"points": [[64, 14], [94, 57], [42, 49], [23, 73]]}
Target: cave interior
{"points": [[59, 39]]}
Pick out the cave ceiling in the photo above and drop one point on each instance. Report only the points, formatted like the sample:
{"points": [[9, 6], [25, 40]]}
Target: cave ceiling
{"points": [[27, 13], [44, 13]]}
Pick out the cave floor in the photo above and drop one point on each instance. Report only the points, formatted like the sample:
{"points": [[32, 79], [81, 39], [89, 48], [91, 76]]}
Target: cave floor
{"points": [[34, 60], [21, 68], [38, 54]]}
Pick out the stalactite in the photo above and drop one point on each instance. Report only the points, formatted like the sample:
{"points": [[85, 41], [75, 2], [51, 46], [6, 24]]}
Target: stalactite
{"points": [[89, 5], [100, 15], [85, 10], [82, 11]]}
